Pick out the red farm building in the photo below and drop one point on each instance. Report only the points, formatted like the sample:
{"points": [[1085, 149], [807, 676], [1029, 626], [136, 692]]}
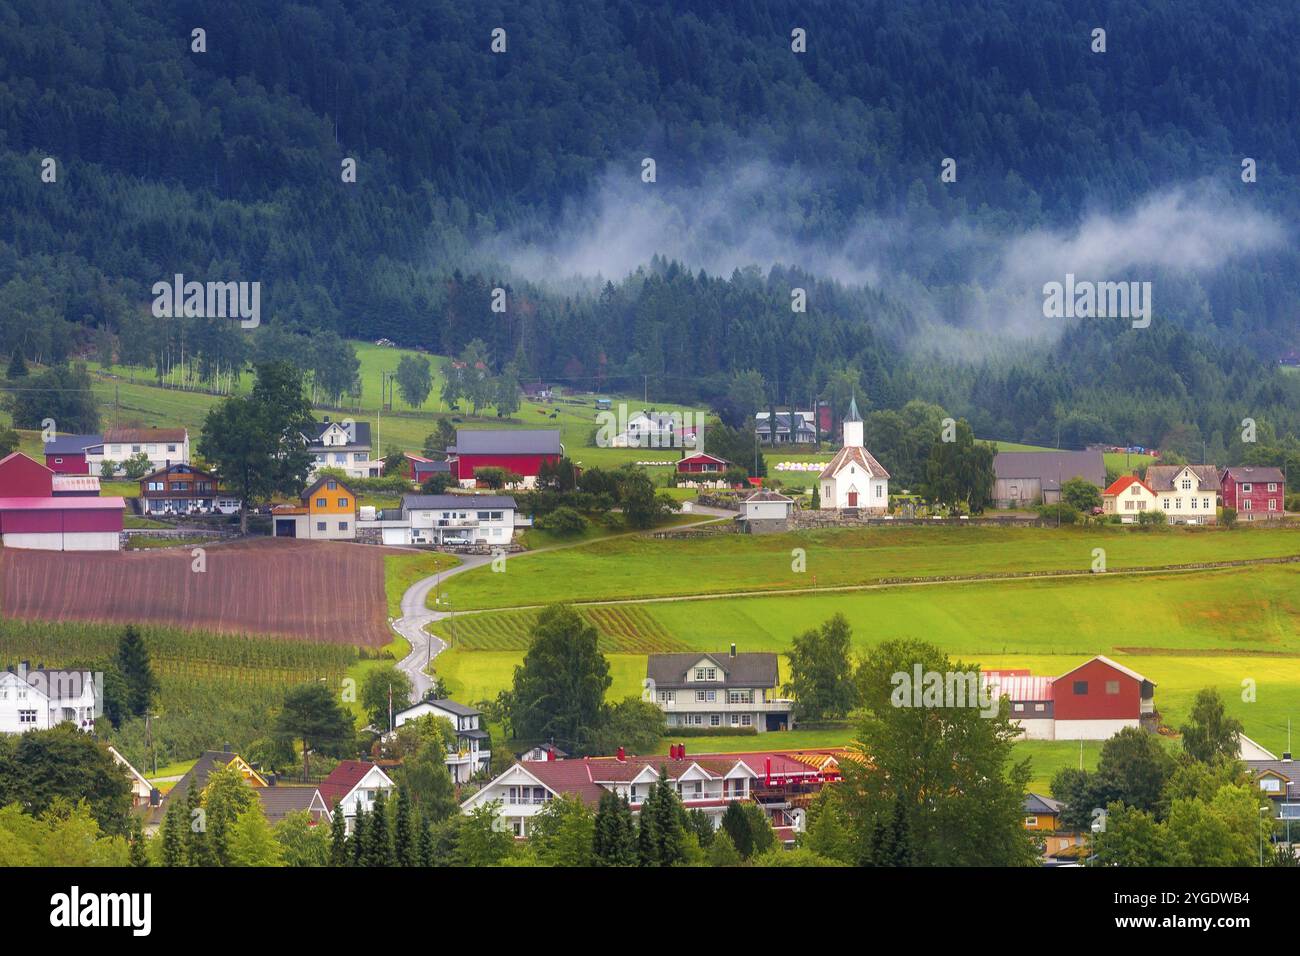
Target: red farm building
{"points": [[66, 454], [1258, 494], [518, 450], [43, 511], [702, 464], [1092, 702]]}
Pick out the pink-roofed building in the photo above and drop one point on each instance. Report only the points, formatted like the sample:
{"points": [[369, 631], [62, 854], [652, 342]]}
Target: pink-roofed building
{"points": [[781, 782], [42, 511], [1093, 701]]}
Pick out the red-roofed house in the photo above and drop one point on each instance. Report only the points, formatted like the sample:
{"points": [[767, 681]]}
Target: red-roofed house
{"points": [[36, 513], [1128, 497], [854, 480], [702, 464], [353, 783], [780, 782]]}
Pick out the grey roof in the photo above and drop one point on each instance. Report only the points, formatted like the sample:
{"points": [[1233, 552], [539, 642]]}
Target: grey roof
{"points": [[1288, 769], [433, 467], [755, 669], [360, 432], [1255, 473], [1051, 468], [279, 801], [460, 710], [430, 502], [71, 444], [1035, 803], [768, 495], [1161, 477], [507, 441]]}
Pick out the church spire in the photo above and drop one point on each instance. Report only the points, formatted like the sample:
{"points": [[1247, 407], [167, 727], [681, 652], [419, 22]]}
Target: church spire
{"points": [[853, 415]]}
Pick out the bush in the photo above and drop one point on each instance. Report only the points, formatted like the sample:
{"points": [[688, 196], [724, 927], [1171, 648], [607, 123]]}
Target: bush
{"points": [[1228, 516], [1058, 514], [711, 731], [1152, 518], [563, 521]]}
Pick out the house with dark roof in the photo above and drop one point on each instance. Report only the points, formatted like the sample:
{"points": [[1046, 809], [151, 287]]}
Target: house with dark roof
{"points": [[66, 454], [473, 751], [781, 783], [458, 520], [1278, 779], [162, 446], [1025, 479], [1187, 494], [280, 800], [344, 445], [518, 450], [354, 785], [719, 690], [791, 428], [1258, 493], [197, 776], [327, 511], [180, 489], [419, 469]]}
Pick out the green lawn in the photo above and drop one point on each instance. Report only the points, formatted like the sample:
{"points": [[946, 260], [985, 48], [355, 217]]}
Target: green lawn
{"points": [[403, 570], [648, 567]]}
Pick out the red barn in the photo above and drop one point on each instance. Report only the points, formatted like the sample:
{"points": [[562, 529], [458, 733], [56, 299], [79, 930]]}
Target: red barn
{"points": [[702, 464], [31, 516], [66, 454], [418, 469], [1258, 494], [1098, 698], [521, 450]]}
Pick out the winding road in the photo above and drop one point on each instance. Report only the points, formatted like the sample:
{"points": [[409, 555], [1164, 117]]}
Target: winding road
{"points": [[416, 613]]}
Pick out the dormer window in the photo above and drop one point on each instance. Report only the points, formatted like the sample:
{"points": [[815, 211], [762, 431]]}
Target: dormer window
{"points": [[706, 673]]}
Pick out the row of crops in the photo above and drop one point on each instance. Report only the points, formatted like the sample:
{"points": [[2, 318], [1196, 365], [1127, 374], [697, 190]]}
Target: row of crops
{"points": [[626, 629]]}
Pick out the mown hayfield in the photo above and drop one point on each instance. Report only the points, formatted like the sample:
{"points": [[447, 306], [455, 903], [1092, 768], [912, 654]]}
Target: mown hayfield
{"points": [[622, 629], [649, 567], [1184, 631]]}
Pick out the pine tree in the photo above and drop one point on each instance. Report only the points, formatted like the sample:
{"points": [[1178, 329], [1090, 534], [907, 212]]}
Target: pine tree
{"points": [[404, 848], [173, 835], [17, 365], [426, 845], [736, 823], [133, 662], [198, 848], [378, 848], [338, 837], [614, 842], [359, 841], [670, 822], [647, 835], [136, 849]]}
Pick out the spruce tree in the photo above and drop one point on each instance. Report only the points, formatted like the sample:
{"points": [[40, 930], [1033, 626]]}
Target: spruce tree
{"points": [[173, 835], [338, 837], [378, 849], [647, 834], [736, 823], [670, 822], [359, 841], [426, 856], [198, 848], [404, 848], [137, 855], [133, 662], [17, 365], [614, 842]]}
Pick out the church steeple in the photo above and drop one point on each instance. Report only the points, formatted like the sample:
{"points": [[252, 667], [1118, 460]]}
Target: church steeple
{"points": [[853, 425]]}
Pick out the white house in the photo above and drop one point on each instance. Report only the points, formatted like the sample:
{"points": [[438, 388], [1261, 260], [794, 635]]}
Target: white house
{"points": [[162, 446], [140, 787], [778, 782], [345, 445], [854, 479], [1187, 494], [449, 520], [40, 699], [1128, 497], [354, 784], [765, 511], [719, 690], [473, 745]]}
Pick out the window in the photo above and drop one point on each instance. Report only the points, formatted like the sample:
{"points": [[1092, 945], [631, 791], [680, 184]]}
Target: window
{"points": [[1270, 784], [1187, 484], [746, 720], [715, 720], [1164, 504], [26, 716], [1248, 504], [706, 696], [1205, 502], [322, 502], [1245, 486], [1019, 707], [1039, 708], [1272, 504], [343, 526], [1031, 821], [880, 491], [320, 525], [1272, 486], [1112, 687], [739, 697], [343, 502], [358, 456], [484, 515], [58, 461], [171, 449], [667, 696], [735, 720], [1081, 688]]}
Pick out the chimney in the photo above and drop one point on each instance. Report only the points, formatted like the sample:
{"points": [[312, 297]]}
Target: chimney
{"points": [[550, 753], [681, 751], [622, 754], [155, 797], [733, 649], [23, 668], [1286, 756], [225, 748]]}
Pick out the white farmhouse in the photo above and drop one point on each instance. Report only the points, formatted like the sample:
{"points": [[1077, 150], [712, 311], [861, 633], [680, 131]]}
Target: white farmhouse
{"points": [[854, 479], [449, 520], [41, 699], [1187, 494], [719, 690], [473, 745]]}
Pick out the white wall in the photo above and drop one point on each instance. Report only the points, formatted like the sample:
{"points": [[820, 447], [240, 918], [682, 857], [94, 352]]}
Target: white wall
{"points": [[1091, 729], [72, 541]]}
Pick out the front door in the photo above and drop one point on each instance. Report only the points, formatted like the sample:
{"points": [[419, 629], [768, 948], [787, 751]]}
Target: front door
{"points": [[853, 499]]}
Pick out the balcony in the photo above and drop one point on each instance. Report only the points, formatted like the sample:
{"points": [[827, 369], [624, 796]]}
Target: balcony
{"points": [[681, 704]]}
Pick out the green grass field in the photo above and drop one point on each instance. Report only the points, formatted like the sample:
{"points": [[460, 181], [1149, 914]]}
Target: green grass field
{"points": [[403, 570], [648, 567]]}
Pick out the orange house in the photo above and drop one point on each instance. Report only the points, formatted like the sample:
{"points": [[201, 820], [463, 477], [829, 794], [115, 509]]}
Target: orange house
{"points": [[327, 512]]}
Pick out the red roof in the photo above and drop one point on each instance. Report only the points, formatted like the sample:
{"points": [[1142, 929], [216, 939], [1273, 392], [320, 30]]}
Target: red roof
{"points": [[1122, 484], [342, 779]]}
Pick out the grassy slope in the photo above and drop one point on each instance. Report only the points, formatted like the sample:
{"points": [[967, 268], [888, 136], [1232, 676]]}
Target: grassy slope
{"points": [[643, 567]]}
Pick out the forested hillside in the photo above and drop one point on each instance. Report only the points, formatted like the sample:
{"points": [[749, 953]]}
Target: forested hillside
{"points": [[226, 164]]}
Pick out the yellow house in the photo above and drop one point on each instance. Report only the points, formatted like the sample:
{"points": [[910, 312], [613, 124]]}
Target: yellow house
{"points": [[328, 512]]}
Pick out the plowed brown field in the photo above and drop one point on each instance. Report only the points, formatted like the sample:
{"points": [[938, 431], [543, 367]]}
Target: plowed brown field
{"points": [[313, 590]]}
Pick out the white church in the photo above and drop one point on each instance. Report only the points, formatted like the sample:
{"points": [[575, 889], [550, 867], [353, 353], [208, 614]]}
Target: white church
{"points": [[854, 479]]}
